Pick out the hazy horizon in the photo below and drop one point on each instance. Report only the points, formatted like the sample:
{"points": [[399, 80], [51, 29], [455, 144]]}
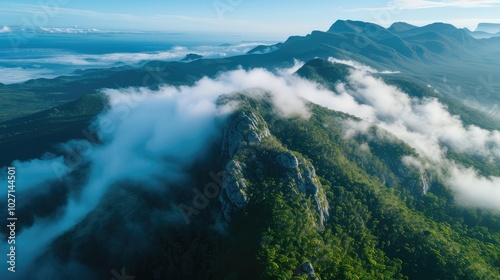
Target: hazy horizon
{"points": [[239, 17]]}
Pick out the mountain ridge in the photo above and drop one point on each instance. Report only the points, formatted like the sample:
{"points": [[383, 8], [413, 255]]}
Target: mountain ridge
{"points": [[406, 50], [280, 187], [280, 175]]}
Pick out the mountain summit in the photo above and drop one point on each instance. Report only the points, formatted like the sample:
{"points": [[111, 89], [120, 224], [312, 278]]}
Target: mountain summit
{"points": [[352, 153], [401, 26]]}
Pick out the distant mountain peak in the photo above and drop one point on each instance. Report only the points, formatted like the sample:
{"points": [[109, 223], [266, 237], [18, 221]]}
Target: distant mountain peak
{"points": [[191, 56], [401, 26], [351, 26], [442, 26], [342, 26], [488, 27], [434, 30], [324, 71], [263, 49]]}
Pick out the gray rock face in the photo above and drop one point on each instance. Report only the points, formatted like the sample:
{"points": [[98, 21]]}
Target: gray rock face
{"points": [[243, 129], [287, 160], [308, 184], [246, 128], [307, 269], [233, 197], [310, 178]]}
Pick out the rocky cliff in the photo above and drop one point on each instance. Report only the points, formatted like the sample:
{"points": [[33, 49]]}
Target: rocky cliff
{"points": [[242, 143]]}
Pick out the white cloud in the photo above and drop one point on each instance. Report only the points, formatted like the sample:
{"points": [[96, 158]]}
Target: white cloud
{"points": [[360, 66], [59, 9], [154, 134], [68, 62], [430, 4], [297, 64], [101, 60], [148, 138], [162, 133], [40, 170], [5, 29], [17, 74], [426, 125], [156, 22], [353, 128], [72, 30], [474, 190]]}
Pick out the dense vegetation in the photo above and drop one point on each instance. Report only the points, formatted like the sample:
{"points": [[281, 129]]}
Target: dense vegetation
{"points": [[381, 224], [374, 231], [27, 137]]}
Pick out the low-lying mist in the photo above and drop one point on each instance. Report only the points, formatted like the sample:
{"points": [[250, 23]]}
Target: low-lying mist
{"points": [[149, 137]]}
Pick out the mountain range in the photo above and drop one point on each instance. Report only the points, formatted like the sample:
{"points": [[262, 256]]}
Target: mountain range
{"points": [[492, 28], [360, 152]]}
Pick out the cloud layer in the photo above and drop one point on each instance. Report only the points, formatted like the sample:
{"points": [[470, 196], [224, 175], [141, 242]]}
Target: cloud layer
{"points": [[432, 4], [429, 4], [175, 53], [150, 137], [5, 29], [154, 135], [12, 75], [52, 63], [426, 125]]}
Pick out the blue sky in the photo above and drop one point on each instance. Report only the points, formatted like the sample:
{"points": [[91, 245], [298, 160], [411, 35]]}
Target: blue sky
{"points": [[257, 17]]}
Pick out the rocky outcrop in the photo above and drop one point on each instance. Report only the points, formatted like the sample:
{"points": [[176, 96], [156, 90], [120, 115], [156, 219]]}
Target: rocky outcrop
{"points": [[246, 129], [304, 175], [306, 269], [242, 129], [287, 160], [233, 197], [308, 183]]}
